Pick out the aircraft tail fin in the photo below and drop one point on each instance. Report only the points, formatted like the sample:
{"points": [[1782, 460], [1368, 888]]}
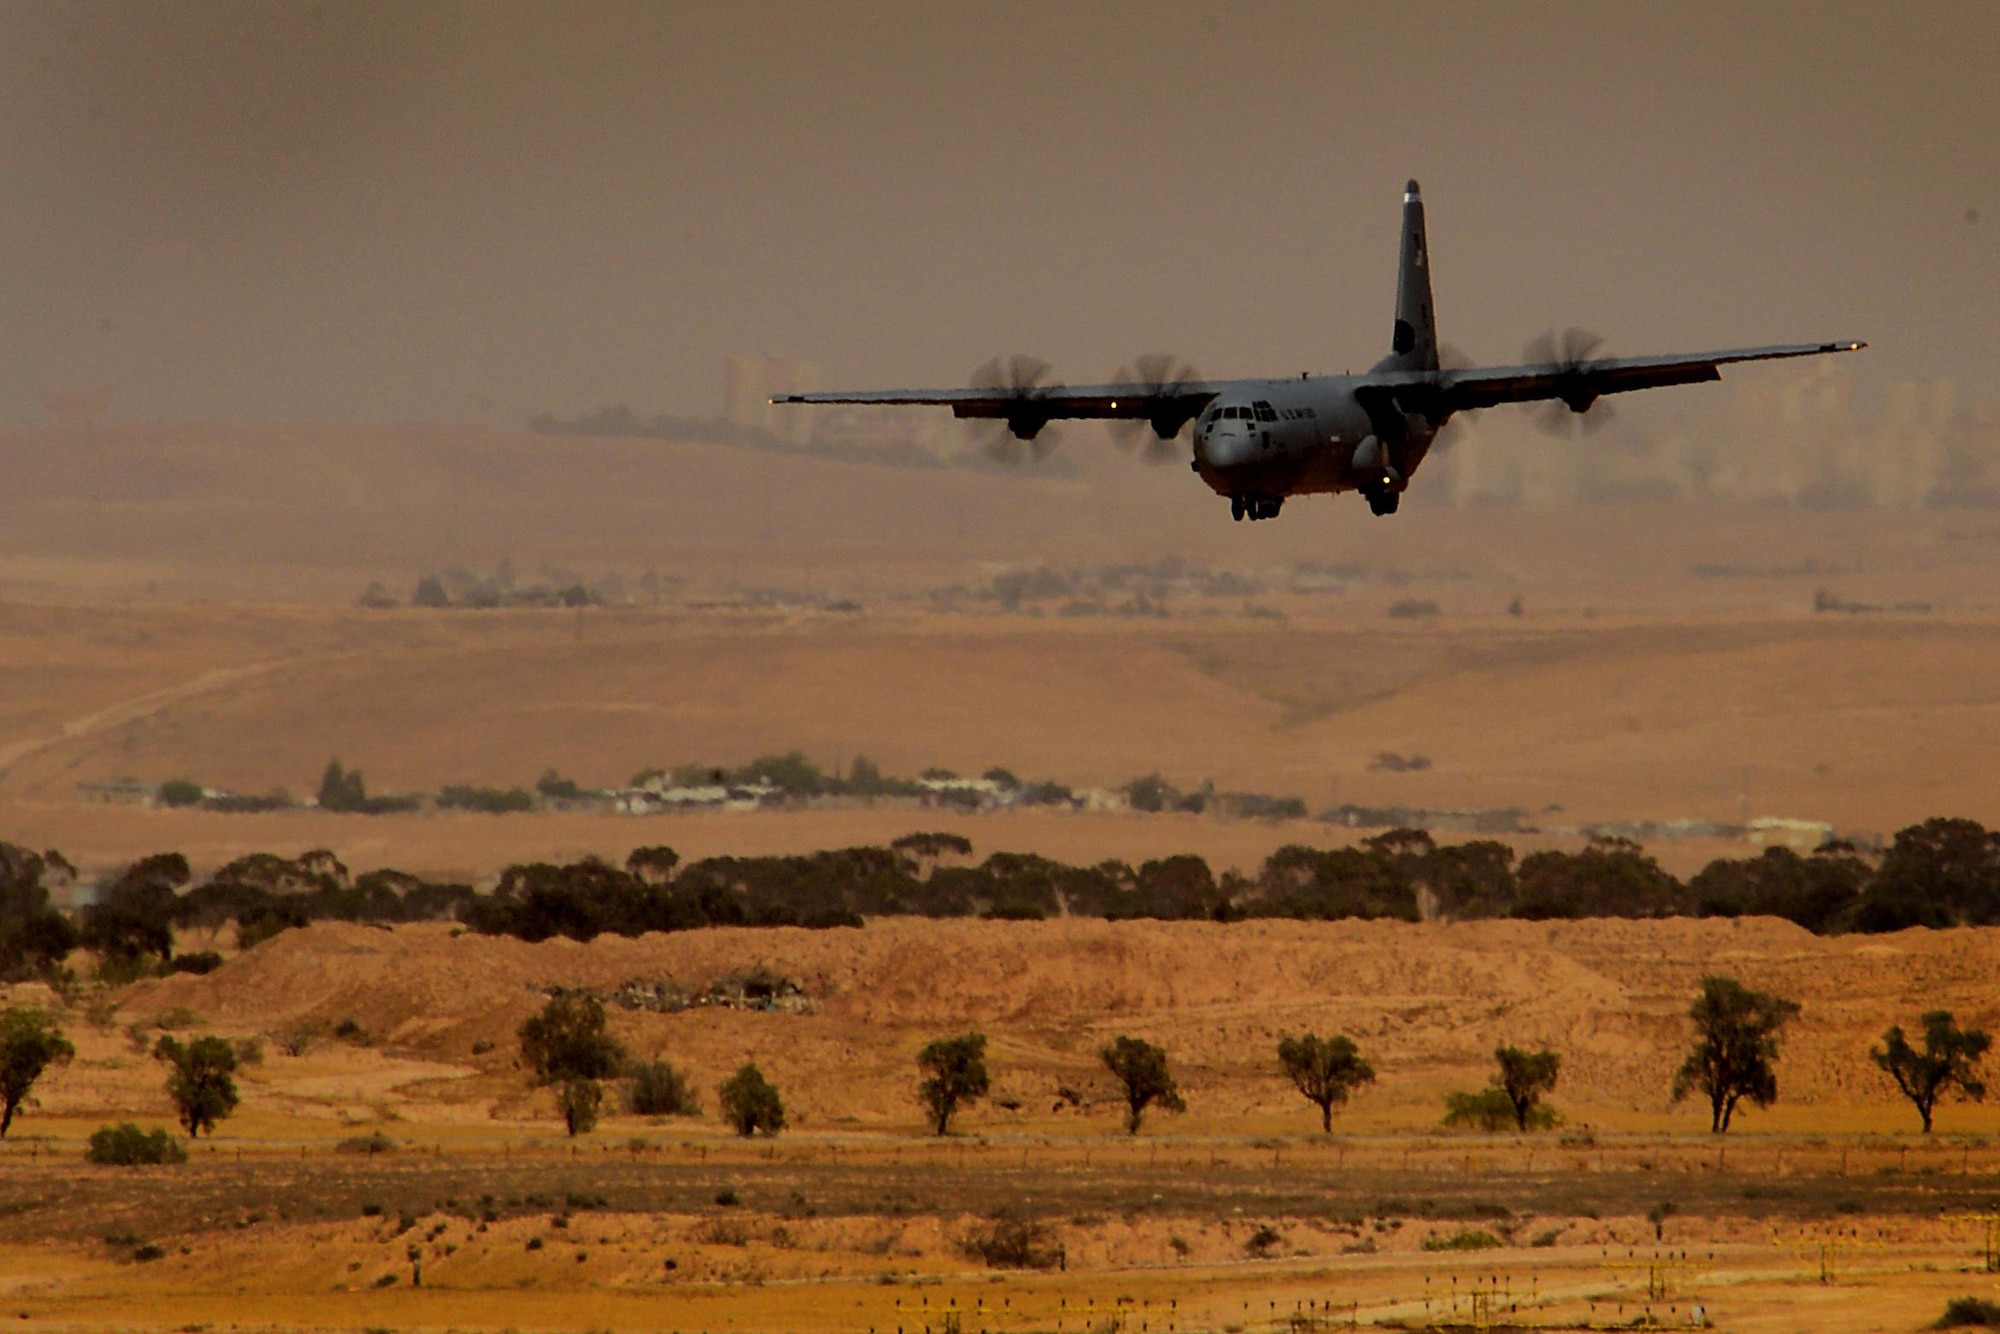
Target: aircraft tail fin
{"points": [[1414, 343]]}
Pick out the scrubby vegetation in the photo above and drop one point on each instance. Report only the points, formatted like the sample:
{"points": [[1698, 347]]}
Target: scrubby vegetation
{"points": [[658, 1089], [1969, 1312], [126, 1145], [750, 1103]]}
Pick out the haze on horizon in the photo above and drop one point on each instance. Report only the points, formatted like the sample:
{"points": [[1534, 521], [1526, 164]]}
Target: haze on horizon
{"points": [[471, 213]]}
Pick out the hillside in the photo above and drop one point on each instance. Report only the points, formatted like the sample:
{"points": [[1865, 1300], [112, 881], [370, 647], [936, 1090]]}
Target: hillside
{"points": [[1427, 1003]]}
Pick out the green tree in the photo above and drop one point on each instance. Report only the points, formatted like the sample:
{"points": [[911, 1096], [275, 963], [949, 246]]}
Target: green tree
{"points": [[1950, 1059], [567, 1045], [30, 1043], [1325, 1070], [579, 1101], [341, 789], [555, 787], [180, 792], [34, 938], [134, 914], [1141, 1070], [954, 1072], [750, 1103], [200, 1081], [1524, 1077], [1736, 1039], [1151, 793], [567, 1040]]}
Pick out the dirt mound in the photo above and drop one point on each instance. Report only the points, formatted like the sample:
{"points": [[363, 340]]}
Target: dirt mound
{"points": [[1427, 1003]]}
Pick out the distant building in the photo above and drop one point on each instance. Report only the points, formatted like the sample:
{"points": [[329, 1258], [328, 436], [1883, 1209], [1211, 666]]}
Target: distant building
{"points": [[1771, 831]]}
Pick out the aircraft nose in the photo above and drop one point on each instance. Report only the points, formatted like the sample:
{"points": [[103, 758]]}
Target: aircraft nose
{"points": [[1225, 450]]}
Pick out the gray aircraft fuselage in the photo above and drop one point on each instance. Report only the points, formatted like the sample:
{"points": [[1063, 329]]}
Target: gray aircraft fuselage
{"points": [[1297, 437]]}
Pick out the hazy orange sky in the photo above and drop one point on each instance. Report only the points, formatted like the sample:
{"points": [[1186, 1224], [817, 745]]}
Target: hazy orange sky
{"points": [[473, 212]]}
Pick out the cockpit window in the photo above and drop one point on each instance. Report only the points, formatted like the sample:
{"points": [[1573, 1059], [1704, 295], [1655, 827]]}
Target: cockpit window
{"points": [[1265, 412]]}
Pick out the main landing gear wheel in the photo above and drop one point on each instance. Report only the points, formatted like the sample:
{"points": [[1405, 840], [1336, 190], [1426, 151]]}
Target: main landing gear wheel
{"points": [[1383, 502], [1255, 507]]}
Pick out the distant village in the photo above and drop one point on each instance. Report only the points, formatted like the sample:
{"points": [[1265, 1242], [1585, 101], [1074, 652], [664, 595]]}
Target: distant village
{"points": [[792, 782]]}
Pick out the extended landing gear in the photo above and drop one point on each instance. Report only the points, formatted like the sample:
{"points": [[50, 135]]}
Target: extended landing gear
{"points": [[1383, 502], [1255, 507]]}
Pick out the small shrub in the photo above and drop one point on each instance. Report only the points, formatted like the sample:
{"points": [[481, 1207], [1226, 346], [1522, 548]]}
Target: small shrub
{"points": [[1014, 1243], [726, 1197], [371, 1210], [126, 1145], [1960, 1312], [1465, 1239], [658, 1089], [180, 792], [249, 1051], [750, 1103], [371, 1144], [205, 961], [534, 1243], [1261, 1241], [350, 1030], [1491, 1110], [578, 1100], [149, 1252]]}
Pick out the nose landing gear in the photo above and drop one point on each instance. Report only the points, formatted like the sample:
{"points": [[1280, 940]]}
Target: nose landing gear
{"points": [[1255, 507]]}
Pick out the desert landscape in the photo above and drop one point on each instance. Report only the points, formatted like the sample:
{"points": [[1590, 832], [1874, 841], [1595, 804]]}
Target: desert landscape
{"points": [[392, 1164], [549, 783]]}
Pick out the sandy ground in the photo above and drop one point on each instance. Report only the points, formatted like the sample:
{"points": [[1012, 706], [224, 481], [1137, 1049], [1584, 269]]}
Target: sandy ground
{"points": [[1239, 1213], [1869, 724]]}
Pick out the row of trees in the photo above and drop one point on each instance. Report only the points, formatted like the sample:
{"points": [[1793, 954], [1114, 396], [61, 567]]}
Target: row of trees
{"points": [[568, 1047], [1937, 874], [1732, 1058]]}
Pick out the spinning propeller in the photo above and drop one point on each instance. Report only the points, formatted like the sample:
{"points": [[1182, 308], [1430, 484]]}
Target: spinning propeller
{"points": [[1575, 407], [1022, 432], [1160, 376]]}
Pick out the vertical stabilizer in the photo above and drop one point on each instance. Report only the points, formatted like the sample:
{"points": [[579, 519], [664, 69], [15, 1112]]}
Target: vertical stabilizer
{"points": [[1414, 343]]}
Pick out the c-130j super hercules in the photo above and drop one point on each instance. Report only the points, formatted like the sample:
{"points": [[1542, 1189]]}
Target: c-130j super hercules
{"points": [[1259, 441]]}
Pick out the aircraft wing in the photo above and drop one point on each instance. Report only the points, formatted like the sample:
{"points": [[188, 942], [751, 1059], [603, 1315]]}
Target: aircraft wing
{"points": [[1179, 401], [1584, 381]]}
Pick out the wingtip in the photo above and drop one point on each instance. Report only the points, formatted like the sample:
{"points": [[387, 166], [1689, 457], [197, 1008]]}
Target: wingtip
{"points": [[1411, 192]]}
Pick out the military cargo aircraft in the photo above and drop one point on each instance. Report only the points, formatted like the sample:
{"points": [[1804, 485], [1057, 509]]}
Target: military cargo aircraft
{"points": [[1259, 442]]}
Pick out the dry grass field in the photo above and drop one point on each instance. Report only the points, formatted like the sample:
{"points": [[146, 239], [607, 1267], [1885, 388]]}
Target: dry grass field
{"points": [[178, 601]]}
